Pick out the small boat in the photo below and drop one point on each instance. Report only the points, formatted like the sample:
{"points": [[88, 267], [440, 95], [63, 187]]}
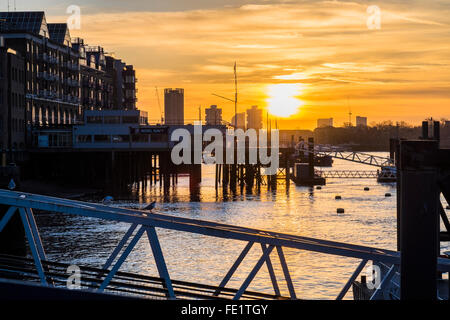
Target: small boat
{"points": [[387, 174], [323, 161]]}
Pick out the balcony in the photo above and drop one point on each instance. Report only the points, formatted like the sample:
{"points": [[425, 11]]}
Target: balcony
{"points": [[73, 66], [73, 99], [47, 94], [50, 76], [72, 82], [88, 101], [44, 57]]}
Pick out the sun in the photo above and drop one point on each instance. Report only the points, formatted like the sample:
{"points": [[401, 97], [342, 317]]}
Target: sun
{"points": [[283, 101]]}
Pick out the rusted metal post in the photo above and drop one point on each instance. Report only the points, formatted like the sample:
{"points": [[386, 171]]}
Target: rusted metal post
{"points": [[419, 219]]}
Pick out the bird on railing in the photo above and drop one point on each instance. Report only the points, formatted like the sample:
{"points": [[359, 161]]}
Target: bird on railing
{"points": [[150, 207], [11, 185], [107, 200]]}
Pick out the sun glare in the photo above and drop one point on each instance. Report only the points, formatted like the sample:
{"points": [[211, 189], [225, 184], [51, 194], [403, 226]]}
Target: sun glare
{"points": [[283, 101]]}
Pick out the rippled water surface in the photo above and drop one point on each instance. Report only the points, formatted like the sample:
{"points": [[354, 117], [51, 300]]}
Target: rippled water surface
{"points": [[369, 219]]}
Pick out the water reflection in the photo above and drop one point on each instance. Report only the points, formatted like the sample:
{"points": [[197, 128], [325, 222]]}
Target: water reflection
{"points": [[369, 219]]}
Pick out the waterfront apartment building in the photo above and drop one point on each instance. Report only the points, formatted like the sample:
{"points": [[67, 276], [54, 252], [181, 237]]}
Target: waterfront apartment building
{"points": [[62, 75], [51, 80], [174, 106], [95, 82], [213, 115], [124, 84], [130, 90], [361, 121], [254, 118], [12, 105], [323, 123]]}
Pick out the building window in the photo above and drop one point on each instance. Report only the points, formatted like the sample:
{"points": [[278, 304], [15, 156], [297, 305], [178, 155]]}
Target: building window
{"points": [[140, 138], [112, 119], [158, 138], [101, 138], [84, 139], [94, 119], [130, 119]]}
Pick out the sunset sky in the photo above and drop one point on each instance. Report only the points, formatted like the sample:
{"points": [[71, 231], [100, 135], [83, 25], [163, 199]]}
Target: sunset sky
{"points": [[312, 58]]}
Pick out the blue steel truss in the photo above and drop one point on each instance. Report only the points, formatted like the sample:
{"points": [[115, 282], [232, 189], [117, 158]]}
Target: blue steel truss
{"points": [[358, 157], [355, 174], [145, 224]]}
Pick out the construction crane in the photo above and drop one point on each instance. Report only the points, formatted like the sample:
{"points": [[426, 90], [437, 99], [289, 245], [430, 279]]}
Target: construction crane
{"points": [[235, 96], [349, 113], [159, 105]]}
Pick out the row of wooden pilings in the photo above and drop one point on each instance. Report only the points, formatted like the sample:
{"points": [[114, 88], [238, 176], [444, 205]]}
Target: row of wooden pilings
{"points": [[249, 176], [113, 171], [141, 170]]}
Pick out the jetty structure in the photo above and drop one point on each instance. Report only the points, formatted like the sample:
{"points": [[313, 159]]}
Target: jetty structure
{"points": [[415, 271]]}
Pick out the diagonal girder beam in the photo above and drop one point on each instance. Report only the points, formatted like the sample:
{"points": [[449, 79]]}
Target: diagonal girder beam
{"points": [[160, 262], [34, 229], [273, 278], [385, 284], [353, 277], [7, 217], [253, 273], [444, 217], [120, 246], [233, 268], [287, 275], [33, 246], [122, 258], [117, 249]]}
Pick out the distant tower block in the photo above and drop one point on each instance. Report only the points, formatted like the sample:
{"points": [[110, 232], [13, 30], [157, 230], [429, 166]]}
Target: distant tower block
{"points": [[323, 123], [240, 120], [254, 118], [361, 121], [213, 115], [174, 106]]}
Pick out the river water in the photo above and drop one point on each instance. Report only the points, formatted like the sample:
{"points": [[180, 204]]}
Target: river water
{"points": [[369, 219]]}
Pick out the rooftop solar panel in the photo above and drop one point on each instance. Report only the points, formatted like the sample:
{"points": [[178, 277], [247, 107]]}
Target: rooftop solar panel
{"points": [[31, 21], [59, 32]]}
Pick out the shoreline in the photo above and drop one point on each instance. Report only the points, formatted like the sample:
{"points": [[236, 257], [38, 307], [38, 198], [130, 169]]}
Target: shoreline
{"points": [[59, 190]]}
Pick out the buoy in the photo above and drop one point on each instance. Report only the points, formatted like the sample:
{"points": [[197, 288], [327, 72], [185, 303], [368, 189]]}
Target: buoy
{"points": [[387, 194], [340, 210], [107, 200], [337, 197], [11, 185], [366, 189]]}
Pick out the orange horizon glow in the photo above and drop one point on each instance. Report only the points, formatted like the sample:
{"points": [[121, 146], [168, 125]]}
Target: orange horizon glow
{"points": [[325, 49]]}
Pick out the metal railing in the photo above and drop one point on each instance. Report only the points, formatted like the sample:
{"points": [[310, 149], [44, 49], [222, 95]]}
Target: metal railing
{"points": [[144, 224]]}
